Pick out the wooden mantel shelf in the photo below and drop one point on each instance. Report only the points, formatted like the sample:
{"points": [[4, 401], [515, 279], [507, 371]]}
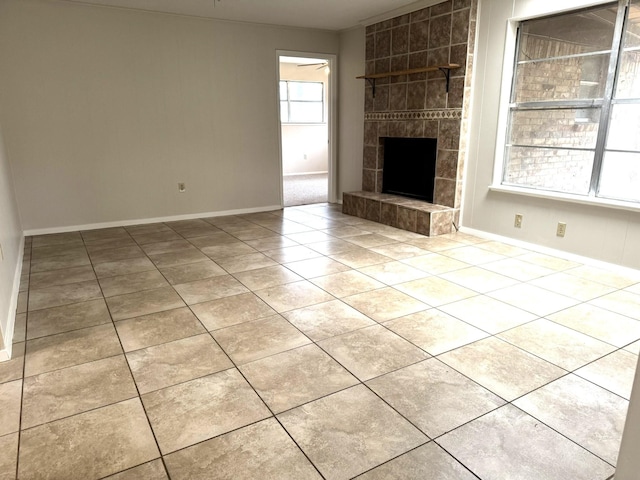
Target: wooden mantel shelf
{"points": [[445, 69]]}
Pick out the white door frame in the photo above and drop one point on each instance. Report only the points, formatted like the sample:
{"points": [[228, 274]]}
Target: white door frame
{"points": [[332, 123]]}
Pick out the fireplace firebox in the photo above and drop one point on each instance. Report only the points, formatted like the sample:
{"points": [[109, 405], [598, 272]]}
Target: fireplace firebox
{"points": [[409, 167]]}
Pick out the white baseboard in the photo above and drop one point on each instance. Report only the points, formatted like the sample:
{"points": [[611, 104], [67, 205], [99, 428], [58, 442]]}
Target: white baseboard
{"points": [[551, 251], [142, 221], [7, 336], [304, 173]]}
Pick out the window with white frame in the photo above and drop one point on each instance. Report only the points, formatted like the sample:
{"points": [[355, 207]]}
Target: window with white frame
{"points": [[574, 112], [301, 102]]}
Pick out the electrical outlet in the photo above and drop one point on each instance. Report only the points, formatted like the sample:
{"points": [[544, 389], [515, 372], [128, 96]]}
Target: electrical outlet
{"points": [[182, 187], [518, 221], [561, 230]]}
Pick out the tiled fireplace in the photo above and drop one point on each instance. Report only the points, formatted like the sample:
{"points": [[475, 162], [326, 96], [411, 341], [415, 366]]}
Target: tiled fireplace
{"points": [[418, 106]]}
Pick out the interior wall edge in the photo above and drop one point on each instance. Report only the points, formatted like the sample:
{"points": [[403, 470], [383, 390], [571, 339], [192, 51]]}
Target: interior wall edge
{"points": [[7, 335], [142, 221]]}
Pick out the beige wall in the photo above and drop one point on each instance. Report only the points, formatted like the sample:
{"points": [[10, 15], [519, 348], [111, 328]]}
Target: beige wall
{"points": [[10, 263], [106, 110], [597, 232], [351, 110]]}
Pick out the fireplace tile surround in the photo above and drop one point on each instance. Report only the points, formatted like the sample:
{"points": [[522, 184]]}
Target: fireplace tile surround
{"points": [[418, 106]]}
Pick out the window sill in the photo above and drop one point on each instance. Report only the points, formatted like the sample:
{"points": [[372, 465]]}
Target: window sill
{"points": [[566, 197]]}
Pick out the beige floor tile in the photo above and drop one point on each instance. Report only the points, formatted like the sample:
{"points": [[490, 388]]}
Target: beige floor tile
{"points": [[178, 258], [8, 456], [61, 277], [327, 319], [57, 239], [428, 462], [147, 471], [332, 247], [198, 410], [298, 376], [174, 362], [385, 304], [12, 369], [20, 327], [473, 255], [533, 299], [599, 323], [232, 310], [634, 289], [23, 302], [615, 372], [582, 411], [547, 261], [242, 263], [348, 283], [435, 291], [308, 237], [271, 243], [253, 233], [60, 262], [436, 244], [434, 397], [572, 286], [242, 454], [557, 344], [267, 277], [392, 273], [10, 399], [360, 258], [331, 429], [143, 303], [90, 445], [624, 303], [123, 267], [109, 243], [372, 351], [518, 269], [150, 238], [157, 328], [502, 368], [63, 295], [478, 279], [251, 341], [213, 239], [287, 297], [634, 348], [113, 254], [346, 231], [210, 289], [502, 248], [520, 447], [399, 251], [316, 267], [606, 277], [135, 282], [488, 314], [435, 264], [292, 254], [172, 246], [71, 348], [434, 331], [370, 240], [192, 272], [69, 391], [218, 252]]}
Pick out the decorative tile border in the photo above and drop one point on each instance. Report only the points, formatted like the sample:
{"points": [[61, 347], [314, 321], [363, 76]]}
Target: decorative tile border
{"points": [[447, 113]]}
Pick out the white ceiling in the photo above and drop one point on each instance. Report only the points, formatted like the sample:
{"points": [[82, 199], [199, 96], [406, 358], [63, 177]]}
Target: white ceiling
{"points": [[323, 14]]}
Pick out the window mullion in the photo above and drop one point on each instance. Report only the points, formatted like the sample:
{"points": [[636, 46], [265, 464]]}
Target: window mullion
{"points": [[616, 52]]}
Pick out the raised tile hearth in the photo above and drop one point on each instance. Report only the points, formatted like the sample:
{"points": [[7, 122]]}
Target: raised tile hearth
{"points": [[401, 212]]}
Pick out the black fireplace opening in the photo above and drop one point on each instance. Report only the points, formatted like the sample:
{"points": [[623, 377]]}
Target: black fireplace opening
{"points": [[409, 167]]}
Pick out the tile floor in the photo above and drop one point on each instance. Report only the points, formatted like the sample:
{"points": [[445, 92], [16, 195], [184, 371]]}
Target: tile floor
{"points": [[304, 343]]}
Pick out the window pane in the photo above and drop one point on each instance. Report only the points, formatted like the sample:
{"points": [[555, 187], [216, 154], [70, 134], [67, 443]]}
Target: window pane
{"points": [[620, 177], [632, 36], [568, 127], [571, 33], [559, 170], [283, 90], [628, 85], [564, 79], [624, 128], [309, 91], [284, 112], [306, 112]]}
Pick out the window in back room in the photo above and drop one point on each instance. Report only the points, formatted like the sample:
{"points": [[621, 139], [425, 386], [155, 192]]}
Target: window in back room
{"points": [[574, 112]]}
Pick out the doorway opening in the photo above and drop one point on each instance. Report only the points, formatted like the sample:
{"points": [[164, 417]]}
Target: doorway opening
{"points": [[305, 110]]}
